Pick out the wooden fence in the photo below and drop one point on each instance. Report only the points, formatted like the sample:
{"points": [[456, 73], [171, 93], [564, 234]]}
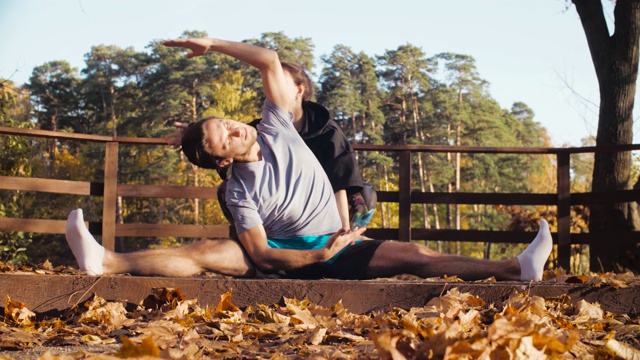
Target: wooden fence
{"points": [[110, 189]]}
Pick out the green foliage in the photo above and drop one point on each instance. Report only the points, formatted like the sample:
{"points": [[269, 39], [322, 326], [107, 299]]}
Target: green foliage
{"points": [[14, 161], [12, 244]]}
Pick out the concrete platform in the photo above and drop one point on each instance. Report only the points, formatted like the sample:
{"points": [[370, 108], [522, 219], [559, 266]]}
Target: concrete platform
{"points": [[43, 293]]}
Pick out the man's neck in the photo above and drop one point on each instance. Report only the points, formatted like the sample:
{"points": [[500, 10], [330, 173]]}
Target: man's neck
{"points": [[254, 154]]}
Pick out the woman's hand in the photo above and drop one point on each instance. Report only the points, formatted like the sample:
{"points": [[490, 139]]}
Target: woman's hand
{"points": [[198, 47]]}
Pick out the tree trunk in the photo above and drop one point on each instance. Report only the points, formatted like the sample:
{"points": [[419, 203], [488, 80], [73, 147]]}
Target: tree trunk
{"points": [[112, 111], [418, 134], [386, 188], [458, 142], [196, 182], [383, 208], [436, 218], [353, 123], [615, 60], [52, 144]]}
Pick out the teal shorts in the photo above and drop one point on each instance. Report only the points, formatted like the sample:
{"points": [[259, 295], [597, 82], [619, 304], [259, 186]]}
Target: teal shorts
{"points": [[307, 242]]}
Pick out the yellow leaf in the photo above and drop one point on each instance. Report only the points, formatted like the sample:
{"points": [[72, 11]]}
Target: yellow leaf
{"points": [[469, 319], [300, 314], [453, 278], [268, 315], [621, 350], [225, 305], [109, 314], [461, 350], [555, 345], [129, 349], [47, 265], [502, 330], [526, 350], [17, 312], [577, 279], [90, 339], [387, 344], [163, 298], [316, 336], [588, 312], [342, 335]]}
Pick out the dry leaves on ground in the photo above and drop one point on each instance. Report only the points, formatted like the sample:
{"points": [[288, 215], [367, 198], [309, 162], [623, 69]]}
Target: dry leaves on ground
{"points": [[453, 326]]}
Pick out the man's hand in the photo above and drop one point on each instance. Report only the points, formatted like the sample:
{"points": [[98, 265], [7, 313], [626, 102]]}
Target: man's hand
{"points": [[175, 138], [198, 47], [343, 238]]}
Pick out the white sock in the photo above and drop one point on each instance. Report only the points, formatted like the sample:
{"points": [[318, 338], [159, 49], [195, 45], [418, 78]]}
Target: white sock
{"points": [[85, 248], [532, 259]]}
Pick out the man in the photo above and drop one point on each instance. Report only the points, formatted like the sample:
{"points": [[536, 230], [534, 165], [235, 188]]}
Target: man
{"points": [[283, 205]]}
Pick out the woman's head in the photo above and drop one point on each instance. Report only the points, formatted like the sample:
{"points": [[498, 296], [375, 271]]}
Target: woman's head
{"points": [[300, 77]]}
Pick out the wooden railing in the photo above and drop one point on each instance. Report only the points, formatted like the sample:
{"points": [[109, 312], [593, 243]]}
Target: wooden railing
{"points": [[110, 189]]}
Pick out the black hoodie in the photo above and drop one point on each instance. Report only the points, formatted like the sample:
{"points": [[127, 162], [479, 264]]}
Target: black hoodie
{"points": [[330, 145]]}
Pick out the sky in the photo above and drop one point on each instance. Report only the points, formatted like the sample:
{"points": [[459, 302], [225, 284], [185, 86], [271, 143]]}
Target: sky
{"points": [[532, 51]]}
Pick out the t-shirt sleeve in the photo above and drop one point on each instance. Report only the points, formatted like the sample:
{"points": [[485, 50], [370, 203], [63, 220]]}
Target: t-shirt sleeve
{"points": [[244, 211], [274, 115]]}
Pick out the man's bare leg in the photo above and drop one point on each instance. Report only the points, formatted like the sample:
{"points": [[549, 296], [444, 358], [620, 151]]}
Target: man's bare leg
{"points": [[221, 256], [394, 258]]}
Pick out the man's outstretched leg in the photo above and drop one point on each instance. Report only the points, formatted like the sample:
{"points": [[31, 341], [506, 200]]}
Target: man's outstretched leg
{"points": [[221, 256], [87, 251], [533, 258], [393, 258]]}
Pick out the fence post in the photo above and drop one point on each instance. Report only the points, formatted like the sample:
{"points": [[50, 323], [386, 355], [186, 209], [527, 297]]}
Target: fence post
{"points": [[404, 189], [564, 209], [110, 196]]}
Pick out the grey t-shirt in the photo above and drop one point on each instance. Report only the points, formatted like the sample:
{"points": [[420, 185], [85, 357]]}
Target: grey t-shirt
{"points": [[288, 191]]}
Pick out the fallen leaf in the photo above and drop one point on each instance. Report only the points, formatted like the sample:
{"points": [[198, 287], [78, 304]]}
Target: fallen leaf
{"points": [[625, 352], [146, 348]]}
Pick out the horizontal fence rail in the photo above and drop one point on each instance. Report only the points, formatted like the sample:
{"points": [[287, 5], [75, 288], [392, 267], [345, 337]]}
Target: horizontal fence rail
{"points": [[110, 190]]}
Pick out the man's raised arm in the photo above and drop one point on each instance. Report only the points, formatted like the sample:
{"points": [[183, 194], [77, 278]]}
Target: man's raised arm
{"points": [[265, 60]]}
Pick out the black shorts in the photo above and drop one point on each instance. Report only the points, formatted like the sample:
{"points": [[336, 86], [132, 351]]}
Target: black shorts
{"points": [[350, 265]]}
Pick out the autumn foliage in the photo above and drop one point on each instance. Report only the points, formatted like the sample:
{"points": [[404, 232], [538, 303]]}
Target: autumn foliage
{"points": [[454, 325]]}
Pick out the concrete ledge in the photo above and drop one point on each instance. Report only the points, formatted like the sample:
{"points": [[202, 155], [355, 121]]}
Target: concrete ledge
{"points": [[45, 293]]}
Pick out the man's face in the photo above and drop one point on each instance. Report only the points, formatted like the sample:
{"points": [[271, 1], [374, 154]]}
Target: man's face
{"points": [[229, 138]]}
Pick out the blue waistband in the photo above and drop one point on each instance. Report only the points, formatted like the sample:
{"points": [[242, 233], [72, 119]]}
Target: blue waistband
{"points": [[307, 242]]}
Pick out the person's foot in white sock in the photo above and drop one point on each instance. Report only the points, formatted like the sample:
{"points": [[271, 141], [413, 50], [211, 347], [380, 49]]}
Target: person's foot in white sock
{"points": [[533, 258], [85, 248]]}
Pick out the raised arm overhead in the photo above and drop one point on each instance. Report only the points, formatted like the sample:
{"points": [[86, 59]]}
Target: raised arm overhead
{"points": [[265, 60]]}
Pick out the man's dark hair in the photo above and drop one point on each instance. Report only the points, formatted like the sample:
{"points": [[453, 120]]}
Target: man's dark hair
{"points": [[300, 76], [196, 147]]}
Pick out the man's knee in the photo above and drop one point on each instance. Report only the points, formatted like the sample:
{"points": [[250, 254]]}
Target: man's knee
{"points": [[224, 256]]}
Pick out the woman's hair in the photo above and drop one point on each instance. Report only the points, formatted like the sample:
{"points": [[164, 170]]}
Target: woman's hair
{"points": [[196, 147], [300, 77]]}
